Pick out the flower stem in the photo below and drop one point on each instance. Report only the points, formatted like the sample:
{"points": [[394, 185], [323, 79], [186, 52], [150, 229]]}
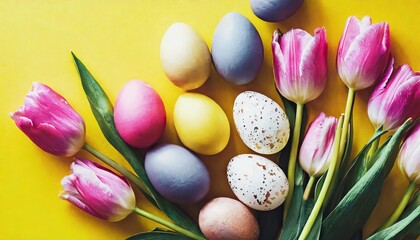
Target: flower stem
{"points": [[118, 167], [335, 161], [308, 188], [293, 156], [401, 206], [372, 151], [349, 108], [167, 224]]}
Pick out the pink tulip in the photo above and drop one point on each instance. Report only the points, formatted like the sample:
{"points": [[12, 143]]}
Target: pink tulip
{"points": [[409, 156], [363, 52], [98, 191], [50, 122], [300, 64], [396, 97], [317, 147]]}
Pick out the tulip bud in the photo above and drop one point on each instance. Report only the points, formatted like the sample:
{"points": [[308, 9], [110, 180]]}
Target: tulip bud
{"points": [[317, 147], [409, 156], [363, 52], [50, 122], [300, 64], [98, 191], [396, 97]]}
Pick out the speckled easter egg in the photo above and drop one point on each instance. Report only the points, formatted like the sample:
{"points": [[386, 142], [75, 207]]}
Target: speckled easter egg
{"points": [[139, 114], [201, 124], [177, 174], [237, 49], [261, 123], [226, 218], [275, 10], [257, 182], [185, 56]]}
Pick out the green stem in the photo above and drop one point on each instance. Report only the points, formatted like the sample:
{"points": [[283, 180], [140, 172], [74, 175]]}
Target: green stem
{"points": [[372, 151], [167, 224], [335, 161], [293, 156], [125, 172], [401, 206], [308, 188], [347, 114]]}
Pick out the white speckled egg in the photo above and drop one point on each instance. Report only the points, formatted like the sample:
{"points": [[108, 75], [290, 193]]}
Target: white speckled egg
{"points": [[257, 182], [261, 123]]}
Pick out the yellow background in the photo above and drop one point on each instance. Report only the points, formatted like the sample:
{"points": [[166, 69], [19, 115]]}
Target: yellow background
{"points": [[119, 41]]}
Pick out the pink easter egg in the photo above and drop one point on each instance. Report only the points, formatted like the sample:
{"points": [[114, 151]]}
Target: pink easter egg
{"points": [[139, 114]]}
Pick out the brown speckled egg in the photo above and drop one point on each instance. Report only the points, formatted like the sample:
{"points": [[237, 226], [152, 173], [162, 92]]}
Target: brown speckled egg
{"points": [[227, 219], [261, 123], [257, 182]]}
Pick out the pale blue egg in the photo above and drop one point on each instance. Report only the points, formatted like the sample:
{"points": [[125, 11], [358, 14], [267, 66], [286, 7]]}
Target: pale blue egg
{"points": [[237, 50], [275, 10], [177, 174]]}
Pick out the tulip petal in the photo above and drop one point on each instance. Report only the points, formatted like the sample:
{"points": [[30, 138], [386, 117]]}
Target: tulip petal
{"points": [[367, 56], [313, 73], [351, 31]]}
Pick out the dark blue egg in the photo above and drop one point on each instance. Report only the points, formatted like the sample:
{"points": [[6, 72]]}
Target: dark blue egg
{"points": [[237, 50], [275, 10], [177, 174]]}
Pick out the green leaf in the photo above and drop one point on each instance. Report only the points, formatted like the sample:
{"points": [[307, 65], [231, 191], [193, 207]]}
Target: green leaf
{"points": [[354, 209], [289, 230], [158, 235], [399, 229], [103, 112], [415, 201], [316, 228]]}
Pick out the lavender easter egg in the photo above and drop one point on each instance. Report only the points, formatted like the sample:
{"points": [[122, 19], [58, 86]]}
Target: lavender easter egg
{"points": [[275, 10], [177, 174], [226, 218], [139, 114], [237, 49]]}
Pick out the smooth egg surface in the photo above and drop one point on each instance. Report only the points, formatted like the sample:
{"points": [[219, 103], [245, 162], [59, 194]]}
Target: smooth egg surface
{"points": [[139, 114], [185, 56], [201, 124], [177, 174]]}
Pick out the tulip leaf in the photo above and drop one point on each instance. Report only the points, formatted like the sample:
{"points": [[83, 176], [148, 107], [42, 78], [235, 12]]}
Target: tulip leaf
{"points": [[354, 209], [289, 230], [158, 235], [103, 112], [400, 228]]}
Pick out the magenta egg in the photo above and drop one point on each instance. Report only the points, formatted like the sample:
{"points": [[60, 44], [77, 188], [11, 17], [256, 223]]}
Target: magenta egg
{"points": [[139, 114]]}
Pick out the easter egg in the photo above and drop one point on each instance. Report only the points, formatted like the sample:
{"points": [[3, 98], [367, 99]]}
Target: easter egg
{"points": [[185, 56], [139, 114], [237, 50], [177, 174], [275, 10], [226, 218], [201, 123], [261, 123], [257, 182]]}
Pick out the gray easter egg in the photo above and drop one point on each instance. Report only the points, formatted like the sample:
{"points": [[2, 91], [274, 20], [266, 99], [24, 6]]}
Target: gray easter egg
{"points": [[237, 50], [177, 174], [275, 10]]}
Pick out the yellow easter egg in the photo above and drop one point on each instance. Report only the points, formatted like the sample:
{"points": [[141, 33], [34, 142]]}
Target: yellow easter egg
{"points": [[201, 124]]}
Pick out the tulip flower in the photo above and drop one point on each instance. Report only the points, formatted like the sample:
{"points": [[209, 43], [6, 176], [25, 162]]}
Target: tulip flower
{"points": [[50, 122], [396, 97], [300, 70], [409, 163], [300, 64], [363, 53], [106, 195], [98, 191], [316, 149]]}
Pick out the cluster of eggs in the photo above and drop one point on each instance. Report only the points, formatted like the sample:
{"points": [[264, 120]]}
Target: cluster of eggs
{"points": [[202, 126]]}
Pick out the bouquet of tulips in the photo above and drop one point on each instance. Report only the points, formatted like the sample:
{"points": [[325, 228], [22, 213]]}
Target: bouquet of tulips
{"points": [[330, 196]]}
